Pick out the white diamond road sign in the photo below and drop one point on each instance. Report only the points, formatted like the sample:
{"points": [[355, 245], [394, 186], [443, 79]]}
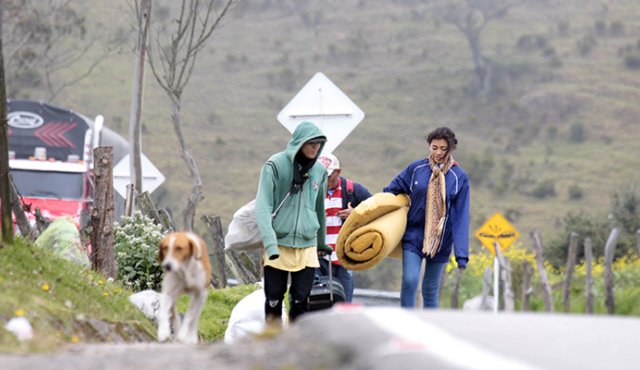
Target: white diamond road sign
{"points": [[323, 103], [151, 176]]}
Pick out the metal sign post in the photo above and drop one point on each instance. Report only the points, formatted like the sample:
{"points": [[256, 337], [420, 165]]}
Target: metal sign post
{"points": [[497, 232], [496, 281]]}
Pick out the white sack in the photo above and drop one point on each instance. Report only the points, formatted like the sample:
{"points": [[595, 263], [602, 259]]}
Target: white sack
{"points": [[247, 317], [243, 232], [148, 301]]}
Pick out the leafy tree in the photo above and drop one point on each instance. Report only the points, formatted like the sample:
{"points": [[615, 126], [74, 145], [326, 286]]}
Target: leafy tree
{"points": [[172, 64]]}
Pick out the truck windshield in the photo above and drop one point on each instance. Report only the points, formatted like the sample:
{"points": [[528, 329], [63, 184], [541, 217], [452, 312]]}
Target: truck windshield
{"points": [[45, 184]]}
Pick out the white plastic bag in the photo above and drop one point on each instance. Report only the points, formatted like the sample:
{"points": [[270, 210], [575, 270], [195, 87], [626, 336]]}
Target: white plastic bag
{"points": [[247, 317], [243, 232]]}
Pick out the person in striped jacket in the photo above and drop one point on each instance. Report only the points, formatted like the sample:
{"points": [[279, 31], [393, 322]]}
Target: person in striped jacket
{"points": [[343, 195]]}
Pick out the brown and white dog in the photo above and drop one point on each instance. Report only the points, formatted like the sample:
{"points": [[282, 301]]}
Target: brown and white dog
{"points": [[186, 270]]}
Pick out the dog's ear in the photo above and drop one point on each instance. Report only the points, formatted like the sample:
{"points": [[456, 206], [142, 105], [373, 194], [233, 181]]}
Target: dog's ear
{"points": [[196, 245]]}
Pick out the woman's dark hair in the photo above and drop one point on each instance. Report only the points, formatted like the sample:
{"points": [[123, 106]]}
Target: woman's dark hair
{"points": [[443, 133]]}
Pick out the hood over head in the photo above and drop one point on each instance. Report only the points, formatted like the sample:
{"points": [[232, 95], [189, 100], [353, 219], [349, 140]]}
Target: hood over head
{"points": [[304, 132]]}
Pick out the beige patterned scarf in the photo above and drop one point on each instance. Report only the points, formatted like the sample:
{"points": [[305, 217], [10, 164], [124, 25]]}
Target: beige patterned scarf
{"points": [[436, 208]]}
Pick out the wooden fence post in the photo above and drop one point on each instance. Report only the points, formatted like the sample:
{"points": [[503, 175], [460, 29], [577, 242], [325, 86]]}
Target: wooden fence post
{"points": [[526, 285], [102, 215], [542, 272], [147, 208], [21, 219], [455, 292], [217, 248], [588, 276], [129, 200], [167, 221], [41, 222], [505, 276], [571, 262], [486, 287], [242, 266], [609, 250]]}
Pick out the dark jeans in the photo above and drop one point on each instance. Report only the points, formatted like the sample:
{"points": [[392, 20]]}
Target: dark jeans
{"points": [[275, 287], [340, 273]]}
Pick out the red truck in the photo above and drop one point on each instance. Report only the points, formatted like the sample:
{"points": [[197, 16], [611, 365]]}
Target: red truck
{"points": [[50, 156]]}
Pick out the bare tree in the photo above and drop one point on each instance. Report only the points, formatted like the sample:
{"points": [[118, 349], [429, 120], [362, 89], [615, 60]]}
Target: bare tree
{"points": [[471, 17], [44, 38], [5, 195], [195, 24], [143, 11]]}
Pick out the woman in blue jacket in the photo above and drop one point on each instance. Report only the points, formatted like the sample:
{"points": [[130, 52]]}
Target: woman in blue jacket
{"points": [[438, 218]]}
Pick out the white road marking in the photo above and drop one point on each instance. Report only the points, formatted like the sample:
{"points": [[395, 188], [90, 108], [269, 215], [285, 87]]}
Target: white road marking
{"points": [[418, 335]]}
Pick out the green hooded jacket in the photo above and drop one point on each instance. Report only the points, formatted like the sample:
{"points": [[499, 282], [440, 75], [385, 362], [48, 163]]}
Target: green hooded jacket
{"points": [[300, 222]]}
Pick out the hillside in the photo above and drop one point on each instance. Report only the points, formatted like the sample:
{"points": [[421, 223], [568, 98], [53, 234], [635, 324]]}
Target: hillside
{"points": [[557, 134]]}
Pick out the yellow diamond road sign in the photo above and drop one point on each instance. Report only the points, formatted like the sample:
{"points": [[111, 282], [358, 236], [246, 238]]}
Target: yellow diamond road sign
{"points": [[497, 229]]}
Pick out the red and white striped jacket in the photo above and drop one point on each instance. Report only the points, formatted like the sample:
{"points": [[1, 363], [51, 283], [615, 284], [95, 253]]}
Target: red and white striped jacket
{"points": [[333, 205]]}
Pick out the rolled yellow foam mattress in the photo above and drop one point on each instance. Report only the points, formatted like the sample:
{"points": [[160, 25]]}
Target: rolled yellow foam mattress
{"points": [[373, 231]]}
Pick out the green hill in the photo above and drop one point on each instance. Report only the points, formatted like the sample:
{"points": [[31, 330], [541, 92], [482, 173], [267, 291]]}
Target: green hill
{"points": [[556, 134]]}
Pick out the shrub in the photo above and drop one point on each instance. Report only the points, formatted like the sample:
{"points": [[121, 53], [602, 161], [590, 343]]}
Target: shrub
{"points": [[577, 133], [543, 189], [632, 60], [575, 192], [617, 29], [585, 226], [563, 28], [586, 44], [625, 209], [136, 240]]}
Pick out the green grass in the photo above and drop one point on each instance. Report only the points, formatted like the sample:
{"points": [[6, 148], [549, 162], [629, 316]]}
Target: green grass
{"points": [[65, 303]]}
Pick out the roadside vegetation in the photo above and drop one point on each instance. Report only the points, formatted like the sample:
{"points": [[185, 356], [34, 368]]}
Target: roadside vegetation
{"points": [[626, 272], [67, 304]]}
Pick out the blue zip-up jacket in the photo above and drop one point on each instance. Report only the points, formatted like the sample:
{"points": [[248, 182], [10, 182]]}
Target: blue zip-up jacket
{"points": [[413, 181]]}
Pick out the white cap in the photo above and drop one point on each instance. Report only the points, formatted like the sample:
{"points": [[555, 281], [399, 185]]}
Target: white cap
{"points": [[330, 161]]}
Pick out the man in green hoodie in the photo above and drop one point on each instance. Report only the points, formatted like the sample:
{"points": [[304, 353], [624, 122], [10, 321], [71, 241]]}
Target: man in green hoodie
{"points": [[290, 215]]}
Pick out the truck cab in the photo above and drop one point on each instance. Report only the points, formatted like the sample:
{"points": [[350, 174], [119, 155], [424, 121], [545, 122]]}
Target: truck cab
{"points": [[50, 157]]}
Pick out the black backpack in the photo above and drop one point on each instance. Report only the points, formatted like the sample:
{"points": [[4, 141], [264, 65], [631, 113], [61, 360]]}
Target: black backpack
{"points": [[348, 196]]}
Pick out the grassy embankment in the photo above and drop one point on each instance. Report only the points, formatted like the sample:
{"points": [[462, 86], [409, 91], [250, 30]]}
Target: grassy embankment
{"points": [[66, 304]]}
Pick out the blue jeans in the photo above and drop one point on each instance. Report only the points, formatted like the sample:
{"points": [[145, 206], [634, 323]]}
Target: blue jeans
{"points": [[411, 275], [340, 273]]}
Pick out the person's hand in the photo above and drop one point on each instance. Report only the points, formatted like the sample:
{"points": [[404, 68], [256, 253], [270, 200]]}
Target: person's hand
{"points": [[344, 213], [324, 250]]}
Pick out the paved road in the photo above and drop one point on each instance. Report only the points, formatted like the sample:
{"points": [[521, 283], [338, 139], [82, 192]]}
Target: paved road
{"points": [[354, 337]]}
